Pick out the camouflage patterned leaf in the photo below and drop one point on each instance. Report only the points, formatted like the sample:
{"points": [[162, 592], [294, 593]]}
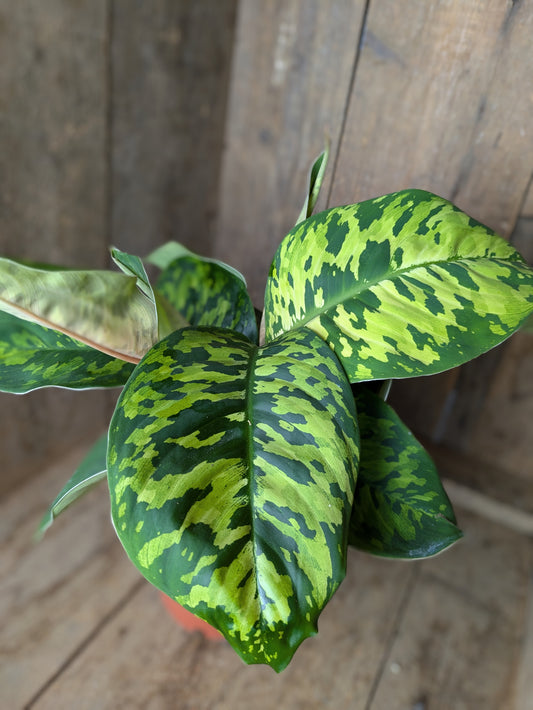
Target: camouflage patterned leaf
{"points": [[315, 183], [164, 255], [91, 471], [207, 294], [400, 286], [32, 357], [231, 471], [103, 309], [400, 508]]}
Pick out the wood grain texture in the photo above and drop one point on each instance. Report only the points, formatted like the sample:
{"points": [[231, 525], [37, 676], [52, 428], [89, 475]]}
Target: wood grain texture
{"points": [[53, 195], [446, 632], [291, 77], [170, 66], [459, 643], [55, 593], [181, 671], [433, 107]]}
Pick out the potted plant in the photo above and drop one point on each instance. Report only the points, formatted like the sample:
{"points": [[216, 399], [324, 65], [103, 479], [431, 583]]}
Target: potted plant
{"points": [[243, 460]]}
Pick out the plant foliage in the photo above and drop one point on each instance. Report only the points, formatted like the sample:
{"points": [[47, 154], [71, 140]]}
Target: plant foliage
{"points": [[240, 471]]}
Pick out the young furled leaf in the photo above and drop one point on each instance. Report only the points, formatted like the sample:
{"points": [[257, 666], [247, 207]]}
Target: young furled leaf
{"points": [[315, 183], [231, 471], [399, 286], [400, 507], [32, 357]]}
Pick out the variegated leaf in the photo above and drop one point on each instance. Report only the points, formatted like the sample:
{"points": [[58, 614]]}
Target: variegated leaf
{"points": [[32, 357], [103, 309], [207, 294], [400, 508], [164, 255], [91, 471], [399, 286], [231, 471]]}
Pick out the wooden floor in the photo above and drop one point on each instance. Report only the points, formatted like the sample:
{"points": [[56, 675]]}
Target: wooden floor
{"points": [[80, 629]]}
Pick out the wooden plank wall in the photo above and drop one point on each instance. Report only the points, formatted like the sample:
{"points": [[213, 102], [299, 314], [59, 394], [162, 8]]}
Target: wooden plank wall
{"points": [[435, 95], [111, 128], [119, 125], [53, 200]]}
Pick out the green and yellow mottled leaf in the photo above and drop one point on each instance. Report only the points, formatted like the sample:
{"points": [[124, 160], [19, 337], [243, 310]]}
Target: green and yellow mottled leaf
{"points": [[315, 183], [32, 357], [91, 471], [103, 309], [231, 471], [400, 508], [399, 286], [207, 294], [164, 255]]}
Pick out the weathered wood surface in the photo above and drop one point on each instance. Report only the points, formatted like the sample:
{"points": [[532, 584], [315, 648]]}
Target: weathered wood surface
{"points": [[111, 129], [292, 70], [170, 66], [53, 141], [54, 594], [80, 630]]}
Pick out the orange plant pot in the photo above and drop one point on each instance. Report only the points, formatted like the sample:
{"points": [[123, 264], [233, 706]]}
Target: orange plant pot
{"points": [[189, 621]]}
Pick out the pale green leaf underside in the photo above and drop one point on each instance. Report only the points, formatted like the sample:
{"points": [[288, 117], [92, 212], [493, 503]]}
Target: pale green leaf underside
{"points": [[400, 508], [207, 294], [168, 318], [90, 471], [103, 309], [400, 286], [32, 357], [231, 473]]}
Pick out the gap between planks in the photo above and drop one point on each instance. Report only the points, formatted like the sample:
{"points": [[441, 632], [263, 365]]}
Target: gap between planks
{"points": [[94, 633]]}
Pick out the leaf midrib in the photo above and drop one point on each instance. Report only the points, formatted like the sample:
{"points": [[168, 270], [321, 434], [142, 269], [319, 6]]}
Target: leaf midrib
{"points": [[250, 452], [368, 285]]}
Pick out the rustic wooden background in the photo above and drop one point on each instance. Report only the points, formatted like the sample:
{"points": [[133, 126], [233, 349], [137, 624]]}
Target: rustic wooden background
{"points": [[130, 123]]}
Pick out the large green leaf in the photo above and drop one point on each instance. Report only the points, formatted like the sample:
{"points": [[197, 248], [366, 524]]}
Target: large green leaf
{"points": [[400, 286], [32, 357], [400, 508], [91, 471], [103, 309], [231, 471], [207, 294]]}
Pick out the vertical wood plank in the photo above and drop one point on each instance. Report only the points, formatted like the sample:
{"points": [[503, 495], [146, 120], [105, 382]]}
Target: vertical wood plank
{"points": [[291, 77], [53, 93], [433, 106], [170, 64]]}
